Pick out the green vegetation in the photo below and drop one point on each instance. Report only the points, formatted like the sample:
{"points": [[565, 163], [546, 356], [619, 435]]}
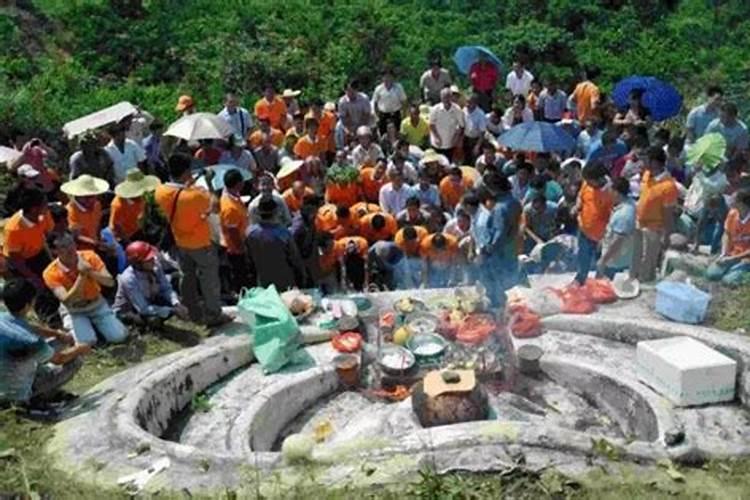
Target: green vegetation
{"points": [[61, 60]]}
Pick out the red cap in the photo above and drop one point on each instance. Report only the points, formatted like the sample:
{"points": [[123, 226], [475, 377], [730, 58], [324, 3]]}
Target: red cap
{"points": [[140, 251]]}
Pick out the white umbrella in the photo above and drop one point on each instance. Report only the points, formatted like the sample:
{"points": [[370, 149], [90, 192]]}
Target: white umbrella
{"points": [[8, 155], [101, 118], [200, 126]]}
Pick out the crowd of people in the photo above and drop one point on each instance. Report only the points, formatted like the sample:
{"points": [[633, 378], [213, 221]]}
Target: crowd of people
{"points": [[387, 191]]}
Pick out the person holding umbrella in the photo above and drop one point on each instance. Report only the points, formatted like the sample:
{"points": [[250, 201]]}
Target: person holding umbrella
{"points": [[483, 75]]}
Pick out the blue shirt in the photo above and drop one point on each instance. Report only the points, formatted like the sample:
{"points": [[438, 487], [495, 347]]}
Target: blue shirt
{"points": [[543, 223], [699, 118], [621, 223], [607, 155], [495, 230], [21, 353], [145, 293], [736, 135], [429, 196]]}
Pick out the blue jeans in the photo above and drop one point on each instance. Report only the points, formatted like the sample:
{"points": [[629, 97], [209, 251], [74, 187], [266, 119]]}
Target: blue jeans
{"points": [[729, 274], [499, 275], [586, 257], [98, 317]]}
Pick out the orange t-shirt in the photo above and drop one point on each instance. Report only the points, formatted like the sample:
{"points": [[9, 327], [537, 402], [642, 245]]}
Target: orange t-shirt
{"points": [[56, 275], [386, 233], [25, 240], [586, 95], [347, 227], [275, 111], [342, 195], [86, 222], [233, 214], [327, 261], [444, 256], [326, 220], [190, 225], [370, 185], [339, 248], [307, 147], [126, 214], [738, 232], [410, 248], [596, 207], [255, 139], [362, 208], [326, 125], [451, 192], [293, 202], [656, 194]]}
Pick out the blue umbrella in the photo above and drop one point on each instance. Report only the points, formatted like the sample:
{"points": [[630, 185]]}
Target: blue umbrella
{"points": [[661, 98], [217, 182], [541, 137], [469, 54]]}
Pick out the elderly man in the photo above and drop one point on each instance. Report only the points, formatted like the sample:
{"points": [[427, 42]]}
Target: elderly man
{"points": [[447, 124], [237, 117], [144, 294], [355, 109], [433, 81], [387, 101], [367, 152], [281, 216], [92, 159]]}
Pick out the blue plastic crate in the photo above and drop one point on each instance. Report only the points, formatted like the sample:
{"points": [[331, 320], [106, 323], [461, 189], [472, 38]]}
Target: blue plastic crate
{"points": [[681, 302]]}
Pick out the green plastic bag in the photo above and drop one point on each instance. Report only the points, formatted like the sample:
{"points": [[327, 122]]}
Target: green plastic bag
{"points": [[275, 331]]}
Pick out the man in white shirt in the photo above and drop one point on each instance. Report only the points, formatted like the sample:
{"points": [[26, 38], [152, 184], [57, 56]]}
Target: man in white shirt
{"points": [[447, 124], [367, 152], [125, 153], [387, 101], [237, 117], [393, 195], [518, 81], [433, 81], [476, 126]]}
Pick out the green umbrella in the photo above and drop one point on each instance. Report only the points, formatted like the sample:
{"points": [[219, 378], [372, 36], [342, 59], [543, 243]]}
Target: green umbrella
{"points": [[708, 151]]}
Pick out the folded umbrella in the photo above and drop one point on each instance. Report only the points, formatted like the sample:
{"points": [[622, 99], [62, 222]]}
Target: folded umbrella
{"points": [[661, 98], [708, 151], [541, 137], [200, 126], [469, 54]]}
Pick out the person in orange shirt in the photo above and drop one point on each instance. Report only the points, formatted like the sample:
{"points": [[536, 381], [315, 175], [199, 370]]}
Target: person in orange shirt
{"points": [[409, 238], [255, 139], [296, 131], [328, 265], [26, 251], [296, 195], [76, 278], [378, 227], [272, 107], [452, 188], [439, 253], [593, 207], [129, 206], [326, 125], [234, 222], [186, 208], [347, 224], [351, 253], [732, 267], [84, 209], [326, 220], [342, 194], [372, 179], [362, 208], [309, 144], [586, 97], [655, 216]]}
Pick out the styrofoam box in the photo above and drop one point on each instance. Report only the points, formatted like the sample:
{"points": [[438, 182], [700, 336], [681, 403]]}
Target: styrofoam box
{"points": [[686, 371]]}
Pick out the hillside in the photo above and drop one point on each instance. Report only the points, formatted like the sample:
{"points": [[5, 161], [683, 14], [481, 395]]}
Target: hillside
{"points": [[61, 59]]}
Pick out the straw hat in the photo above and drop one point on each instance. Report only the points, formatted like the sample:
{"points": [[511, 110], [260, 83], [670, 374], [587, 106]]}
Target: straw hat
{"points": [[431, 155], [290, 93], [288, 167], [85, 185], [329, 106], [136, 184], [184, 102]]}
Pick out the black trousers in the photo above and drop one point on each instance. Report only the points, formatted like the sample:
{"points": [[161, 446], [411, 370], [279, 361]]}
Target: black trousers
{"points": [[46, 306], [239, 272]]}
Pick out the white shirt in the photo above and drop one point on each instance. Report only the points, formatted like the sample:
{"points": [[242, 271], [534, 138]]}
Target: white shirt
{"points": [[526, 116], [408, 172], [393, 201], [519, 86], [447, 122], [240, 120], [122, 161], [388, 100], [369, 156], [476, 122]]}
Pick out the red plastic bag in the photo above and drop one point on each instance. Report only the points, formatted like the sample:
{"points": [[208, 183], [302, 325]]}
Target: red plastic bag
{"points": [[576, 300], [600, 291], [525, 324]]}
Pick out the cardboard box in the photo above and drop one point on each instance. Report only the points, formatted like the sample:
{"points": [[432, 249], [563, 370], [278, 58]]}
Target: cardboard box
{"points": [[686, 371]]}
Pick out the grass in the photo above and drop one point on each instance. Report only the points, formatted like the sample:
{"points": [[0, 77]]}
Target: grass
{"points": [[730, 310]]}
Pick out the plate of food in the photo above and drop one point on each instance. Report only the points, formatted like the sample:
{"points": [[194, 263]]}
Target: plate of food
{"points": [[395, 359], [422, 323], [407, 305]]}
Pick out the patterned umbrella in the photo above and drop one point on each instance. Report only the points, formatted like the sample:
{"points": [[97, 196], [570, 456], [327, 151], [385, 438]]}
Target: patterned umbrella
{"points": [[541, 137], [661, 98], [708, 151]]}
